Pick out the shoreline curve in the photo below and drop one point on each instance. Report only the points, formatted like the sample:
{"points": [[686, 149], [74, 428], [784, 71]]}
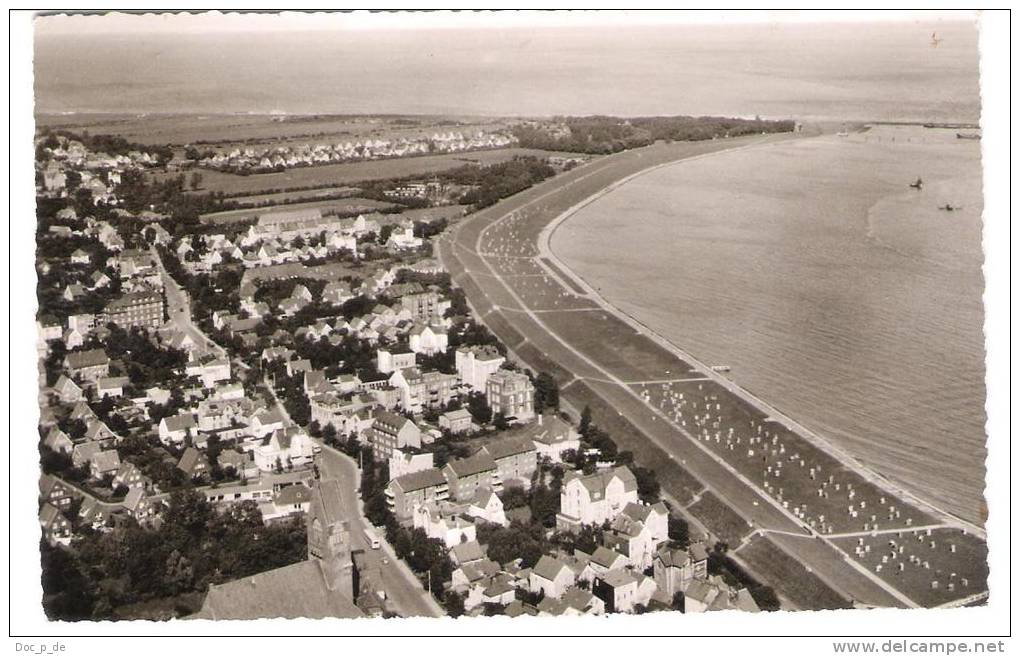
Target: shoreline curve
{"points": [[844, 457]]}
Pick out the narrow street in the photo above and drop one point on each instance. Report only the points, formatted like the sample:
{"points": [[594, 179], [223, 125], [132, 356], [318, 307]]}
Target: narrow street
{"points": [[404, 593]]}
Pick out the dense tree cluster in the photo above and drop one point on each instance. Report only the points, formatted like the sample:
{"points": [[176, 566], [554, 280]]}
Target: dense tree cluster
{"points": [[193, 547], [601, 135], [497, 181]]}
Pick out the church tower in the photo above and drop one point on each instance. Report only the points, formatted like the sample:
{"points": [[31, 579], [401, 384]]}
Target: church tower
{"points": [[329, 537]]}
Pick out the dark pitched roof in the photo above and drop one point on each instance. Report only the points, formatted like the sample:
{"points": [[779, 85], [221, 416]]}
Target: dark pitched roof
{"points": [[290, 592]]}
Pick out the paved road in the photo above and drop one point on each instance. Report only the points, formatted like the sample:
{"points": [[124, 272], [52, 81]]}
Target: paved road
{"points": [[524, 328], [403, 591], [178, 308]]}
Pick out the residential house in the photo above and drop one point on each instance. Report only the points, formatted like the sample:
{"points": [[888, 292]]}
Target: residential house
{"points": [[675, 569], [242, 462], [638, 531], [287, 447], [392, 431], [402, 463], [515, 459], [456, 421], [488, 507], [428, 339], [67, 390], [56, 492], [475, 364], [129, 476], [419, 390], [403, 494], [511, 394], [56, 528], [90, 365], [551, 576], [427, 307], [177, 428], [58, 441], [466, 553], [595, 498], [83, 453], [623, 590], [265, 422], [553, 437], [104, 463], [388, 361], [193, 463], [601, 562], [466, 475], [450, 527], [111, 386]]}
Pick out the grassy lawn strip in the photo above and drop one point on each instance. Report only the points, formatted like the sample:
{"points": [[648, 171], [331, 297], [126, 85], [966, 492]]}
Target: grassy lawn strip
{"points": [[800, 586], [720, 519]]}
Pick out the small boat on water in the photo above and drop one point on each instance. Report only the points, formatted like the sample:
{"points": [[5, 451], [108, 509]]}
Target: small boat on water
{"points": [[917, 184], [968, 135], [950, 208], [721, 368]]}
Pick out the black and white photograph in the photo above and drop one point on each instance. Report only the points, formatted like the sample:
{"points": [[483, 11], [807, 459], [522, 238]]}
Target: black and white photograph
{"points": [[573, 321]]}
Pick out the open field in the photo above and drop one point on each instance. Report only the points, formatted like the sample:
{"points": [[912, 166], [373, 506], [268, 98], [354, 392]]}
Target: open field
{"points": [[346, 206], [949, 559], [332, 175], [285, 196], [653, 432], [334, 271], [802, 586]]}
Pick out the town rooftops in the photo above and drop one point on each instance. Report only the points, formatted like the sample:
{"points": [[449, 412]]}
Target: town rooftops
{"points": [[505, 448], [390, 421], [484, 352], [598, 482], [293, 494], [605, 557], [89, 358], [180, 422], [133, 298], [552, 430], [420, 480], [295, 591], [457, 415], [478, 463], [467, 552], [549, 567], [618, 578]]}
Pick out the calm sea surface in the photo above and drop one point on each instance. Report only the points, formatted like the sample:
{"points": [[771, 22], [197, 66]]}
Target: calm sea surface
{"points": [[835, 291], [878, 71]]}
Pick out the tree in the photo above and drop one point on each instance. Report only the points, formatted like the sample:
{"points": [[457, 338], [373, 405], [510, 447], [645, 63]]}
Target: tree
{"points": [[585, 423], [547, 392], [678, 531], [453, 602], [196, 180], [479, 408], [647, 484]]}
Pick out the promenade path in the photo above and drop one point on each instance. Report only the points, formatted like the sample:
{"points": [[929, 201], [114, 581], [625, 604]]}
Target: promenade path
{"points": [[555, 322]]}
